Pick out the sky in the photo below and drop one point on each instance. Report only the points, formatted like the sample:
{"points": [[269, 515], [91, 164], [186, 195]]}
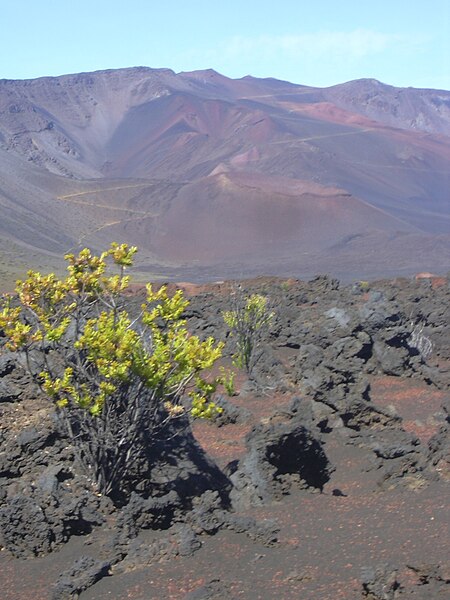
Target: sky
{"points": [[313, 42]]}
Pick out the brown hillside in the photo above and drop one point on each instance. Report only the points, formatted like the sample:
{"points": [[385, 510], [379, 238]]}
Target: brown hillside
{"points": [[254, 175]]}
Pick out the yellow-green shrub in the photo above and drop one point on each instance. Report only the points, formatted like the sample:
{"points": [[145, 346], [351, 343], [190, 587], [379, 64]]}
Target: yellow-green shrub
{"points": [[248, 316], [116, 379]]}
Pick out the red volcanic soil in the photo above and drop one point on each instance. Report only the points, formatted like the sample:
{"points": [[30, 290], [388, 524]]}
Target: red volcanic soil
{"points": [[210, 222], [361, 519], [417, 404], [330, 112], [325, 538]]}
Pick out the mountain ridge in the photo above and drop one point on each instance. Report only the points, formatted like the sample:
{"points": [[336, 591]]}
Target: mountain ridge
{"points": [[165, 134]]}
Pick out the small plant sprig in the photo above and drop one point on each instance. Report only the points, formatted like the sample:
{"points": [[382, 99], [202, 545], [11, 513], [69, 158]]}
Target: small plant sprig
{"points": [[248, 317], [227, 380]]}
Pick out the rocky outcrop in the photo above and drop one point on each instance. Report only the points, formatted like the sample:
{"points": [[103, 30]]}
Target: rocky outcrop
{"points": [[325, 345], [84, 572], [278, 456], [385, 583], [379, 583], [439, 447]]}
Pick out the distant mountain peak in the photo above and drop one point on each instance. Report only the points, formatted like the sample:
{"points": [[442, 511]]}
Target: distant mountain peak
{"points": [[202, 171]]}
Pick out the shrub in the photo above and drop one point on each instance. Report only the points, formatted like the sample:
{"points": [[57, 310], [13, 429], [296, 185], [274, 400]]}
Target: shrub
{"points": [[247, 318], [364, 286], [116, 380]]}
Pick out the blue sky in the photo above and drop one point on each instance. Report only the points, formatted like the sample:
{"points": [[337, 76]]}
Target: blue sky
{"points": [[320, 43]]}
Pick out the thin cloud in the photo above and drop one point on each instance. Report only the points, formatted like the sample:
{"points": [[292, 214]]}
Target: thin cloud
{"points": [[320, 58], [354, 45]]}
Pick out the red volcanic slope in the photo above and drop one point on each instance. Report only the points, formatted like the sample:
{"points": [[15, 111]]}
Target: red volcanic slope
{"points": [[212, 175]]}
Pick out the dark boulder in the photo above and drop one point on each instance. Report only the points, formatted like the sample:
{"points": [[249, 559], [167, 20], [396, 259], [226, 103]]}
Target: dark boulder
{"points": [[178, 462], [379, 583], [9, 391], [46, 515], [439, 447], [231, 413], [24, 528], [391, 360], [423, 582], [147, 513], [84, 572], [278, 456], [7, 364], [378, 313]]}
